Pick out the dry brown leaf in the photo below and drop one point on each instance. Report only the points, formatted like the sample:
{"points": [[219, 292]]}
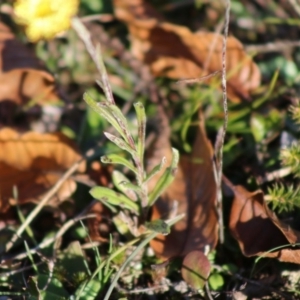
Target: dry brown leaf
{"points": [[22, 76], [99, 227], [34, 162], [100, 173], [176, 52], [194, 189], [257, 229]]}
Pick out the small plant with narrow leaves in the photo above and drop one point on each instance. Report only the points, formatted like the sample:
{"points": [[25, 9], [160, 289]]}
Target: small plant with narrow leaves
{"points": [[140, 200], [133, 200]]}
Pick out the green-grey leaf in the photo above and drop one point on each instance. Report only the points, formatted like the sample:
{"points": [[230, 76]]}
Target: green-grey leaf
{"points": [[121, 225], [118, 178], [104, 112], [165, 180], [141, 118], [114, 198], [117, 159], [114, 111], [119, 117], [131, 186], [120, 143]]}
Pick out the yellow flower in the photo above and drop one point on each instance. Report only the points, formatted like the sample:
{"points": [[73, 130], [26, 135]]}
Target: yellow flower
{"points": [[43, 19]]}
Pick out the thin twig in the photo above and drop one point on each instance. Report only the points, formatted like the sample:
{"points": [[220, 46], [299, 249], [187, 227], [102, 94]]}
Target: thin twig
{"points": [[67, 225], [85, 36], [98, 17], [212, 46], [90, 245], [58, 235], [10, 273], [195, 80], [207, 61], [142, 291], [295, 5], [263, 286], [247, 280], [274, 175], [277, 46], [208, 292], [222, 133]]}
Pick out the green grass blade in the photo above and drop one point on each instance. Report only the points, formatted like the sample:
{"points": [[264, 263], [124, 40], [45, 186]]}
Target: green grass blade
{"points": [[266, 97]]}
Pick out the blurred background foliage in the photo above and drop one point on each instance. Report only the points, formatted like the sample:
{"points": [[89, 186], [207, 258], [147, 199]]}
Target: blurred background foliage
{"points": [[257, 129]]}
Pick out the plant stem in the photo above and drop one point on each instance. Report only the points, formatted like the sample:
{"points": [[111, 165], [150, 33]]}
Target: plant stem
{"points": [[95, 54], [221, 135], [140, 180]]}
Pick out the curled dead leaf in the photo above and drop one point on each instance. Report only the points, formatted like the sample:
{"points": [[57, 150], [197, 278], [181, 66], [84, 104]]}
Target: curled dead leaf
{"points": [[33, 163], [258, 230], [194, 191], [22, 76], [175, 52]]}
